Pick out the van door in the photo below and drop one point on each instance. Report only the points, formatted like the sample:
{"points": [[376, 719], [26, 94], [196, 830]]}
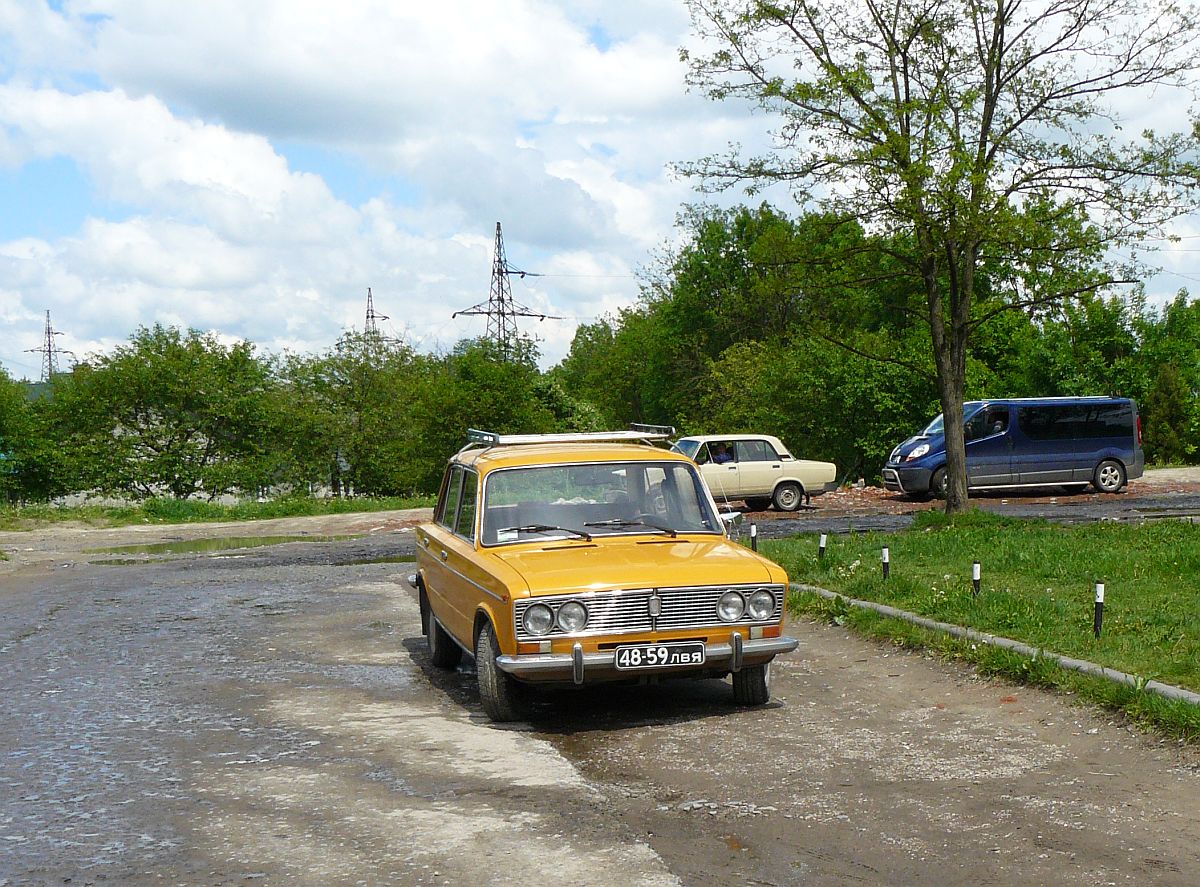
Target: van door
{"points": [[1045, 451], [989, 447]]}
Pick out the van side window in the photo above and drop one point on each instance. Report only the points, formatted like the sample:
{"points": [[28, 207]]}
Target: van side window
{"points": [[465, 525], [1076, 421], [755, 451], [448, 512]]}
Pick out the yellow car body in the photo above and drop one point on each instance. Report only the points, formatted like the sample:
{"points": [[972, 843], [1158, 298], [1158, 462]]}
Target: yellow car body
{"points": [[574, 559]]}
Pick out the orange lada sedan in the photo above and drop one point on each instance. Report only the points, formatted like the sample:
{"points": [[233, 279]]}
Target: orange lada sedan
{"points": [[578, 558]]}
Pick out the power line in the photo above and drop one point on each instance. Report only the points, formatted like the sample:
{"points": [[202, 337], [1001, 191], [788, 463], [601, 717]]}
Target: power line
{"points": [[49, 351], [501, 309]]}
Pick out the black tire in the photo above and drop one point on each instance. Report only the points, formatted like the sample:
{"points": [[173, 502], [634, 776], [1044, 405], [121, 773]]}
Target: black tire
{"points": [[443, 652], [504, 698], [752, 685], [757, 504], [938, 483], [1109, 476], [788, 497], [423, 604]]}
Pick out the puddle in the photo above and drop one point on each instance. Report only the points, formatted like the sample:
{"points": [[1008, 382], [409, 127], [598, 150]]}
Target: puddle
{"points": [[220, 543]]}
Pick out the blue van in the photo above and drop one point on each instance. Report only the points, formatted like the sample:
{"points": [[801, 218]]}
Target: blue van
{"points": [[1028, 442]]}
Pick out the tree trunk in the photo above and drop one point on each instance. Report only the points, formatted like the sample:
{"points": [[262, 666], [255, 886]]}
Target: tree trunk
{"points": [[950, 357]]}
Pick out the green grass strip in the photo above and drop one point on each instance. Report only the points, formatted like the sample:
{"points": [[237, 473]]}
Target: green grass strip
{"points": [[1038, 583]]}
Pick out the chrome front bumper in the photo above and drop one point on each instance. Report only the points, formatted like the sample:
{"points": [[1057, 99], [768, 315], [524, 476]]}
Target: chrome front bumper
{"points": [[578, 665]]}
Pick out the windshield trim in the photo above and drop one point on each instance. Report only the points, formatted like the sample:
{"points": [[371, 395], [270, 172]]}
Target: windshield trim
{"points": [[705, 502]]}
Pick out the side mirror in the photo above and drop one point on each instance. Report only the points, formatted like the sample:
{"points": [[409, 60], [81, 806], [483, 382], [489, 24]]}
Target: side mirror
{"points": [[733, 521]]}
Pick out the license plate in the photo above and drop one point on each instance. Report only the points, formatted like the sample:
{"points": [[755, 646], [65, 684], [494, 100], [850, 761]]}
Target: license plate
{"points": [[659, 655]]}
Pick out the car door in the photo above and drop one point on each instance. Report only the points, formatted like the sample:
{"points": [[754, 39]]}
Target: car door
{"points": [[449, 563], [759, 467], [990, 448], [721, 477]]}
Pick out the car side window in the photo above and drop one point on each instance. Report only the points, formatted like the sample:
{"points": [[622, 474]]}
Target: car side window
{"points": [[465, 526], [755, 451], [702, 457], [448, 513]]}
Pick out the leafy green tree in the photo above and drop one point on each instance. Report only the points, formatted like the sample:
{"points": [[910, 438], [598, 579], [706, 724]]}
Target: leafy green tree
{"points": [[967, 133], [168, 413]]}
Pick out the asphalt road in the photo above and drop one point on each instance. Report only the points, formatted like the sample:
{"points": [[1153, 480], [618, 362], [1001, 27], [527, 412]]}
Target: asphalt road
{"points": [[269, 716]]}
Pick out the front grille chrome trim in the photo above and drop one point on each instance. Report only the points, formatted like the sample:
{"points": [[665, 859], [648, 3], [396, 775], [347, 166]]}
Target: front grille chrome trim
{"points": [[630, 611]]}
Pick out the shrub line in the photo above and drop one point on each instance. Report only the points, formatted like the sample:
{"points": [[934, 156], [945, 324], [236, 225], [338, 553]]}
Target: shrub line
{"points": [[1169, 691]]}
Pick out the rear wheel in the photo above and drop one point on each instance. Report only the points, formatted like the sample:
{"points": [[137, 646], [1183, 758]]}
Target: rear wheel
{"points": [[787, 497], [504, 698], [1109, 476], [443, 652], [752, 685]]}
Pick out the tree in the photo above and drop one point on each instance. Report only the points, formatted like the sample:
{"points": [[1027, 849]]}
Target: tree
{"points": [[167, 413], [975, 135]]}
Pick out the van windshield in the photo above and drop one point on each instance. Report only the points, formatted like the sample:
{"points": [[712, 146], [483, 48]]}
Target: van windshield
{"points": [[938, 425]]}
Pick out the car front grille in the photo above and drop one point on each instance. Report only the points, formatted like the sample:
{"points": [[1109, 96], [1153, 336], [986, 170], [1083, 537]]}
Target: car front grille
{"points": [[624, 612]]}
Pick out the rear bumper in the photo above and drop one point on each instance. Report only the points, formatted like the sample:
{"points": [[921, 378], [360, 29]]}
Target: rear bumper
{"points": [[579, 667]]}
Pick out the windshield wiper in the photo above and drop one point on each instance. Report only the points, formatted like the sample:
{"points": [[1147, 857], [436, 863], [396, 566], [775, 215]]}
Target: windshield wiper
{"points": [[546, 528], [619, 522]]}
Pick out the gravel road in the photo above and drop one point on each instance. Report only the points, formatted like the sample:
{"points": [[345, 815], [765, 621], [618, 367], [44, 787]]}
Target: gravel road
{"points": [[268, 716]]}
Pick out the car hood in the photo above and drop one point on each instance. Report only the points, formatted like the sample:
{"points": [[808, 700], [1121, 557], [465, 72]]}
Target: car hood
{"points": [[638, 562]]}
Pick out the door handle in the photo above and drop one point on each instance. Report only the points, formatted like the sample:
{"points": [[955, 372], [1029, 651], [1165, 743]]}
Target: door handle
{"points": [[445, 554], [733, 468]]}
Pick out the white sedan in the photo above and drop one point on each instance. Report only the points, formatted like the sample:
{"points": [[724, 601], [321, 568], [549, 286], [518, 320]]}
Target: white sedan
{"points": [[757, 469]]}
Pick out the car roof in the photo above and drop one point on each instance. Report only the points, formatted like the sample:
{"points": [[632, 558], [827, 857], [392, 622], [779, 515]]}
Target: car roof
{"points": [[486, 459], [708, 438]]}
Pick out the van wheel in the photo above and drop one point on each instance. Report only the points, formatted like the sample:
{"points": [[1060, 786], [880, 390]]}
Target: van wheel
{"points": [[443, 652], [1109, 476], [787, 497], [752, 685], [938, 483], [504, 698]]}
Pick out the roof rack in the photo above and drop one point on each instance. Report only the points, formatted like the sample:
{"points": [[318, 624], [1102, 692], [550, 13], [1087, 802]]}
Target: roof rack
{"points": [[636, 433]]}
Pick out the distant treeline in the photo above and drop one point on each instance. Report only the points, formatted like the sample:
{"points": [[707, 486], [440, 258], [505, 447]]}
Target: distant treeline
{"points": [[757, 322]]}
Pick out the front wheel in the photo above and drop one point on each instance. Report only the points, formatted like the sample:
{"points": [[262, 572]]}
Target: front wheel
{"points": [[504, 698], [938, 483], [1109, 476], [757, 504], [787, 497], [752, 685]]}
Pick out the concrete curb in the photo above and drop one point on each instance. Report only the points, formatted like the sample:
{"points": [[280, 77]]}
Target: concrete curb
{"points": [[1167, 691]]}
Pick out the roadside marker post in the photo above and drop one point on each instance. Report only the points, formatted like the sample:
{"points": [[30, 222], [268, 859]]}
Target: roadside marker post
{"points": [[821, 547], [887, 563], [975, 576], [1098, 616], [754, 537]]}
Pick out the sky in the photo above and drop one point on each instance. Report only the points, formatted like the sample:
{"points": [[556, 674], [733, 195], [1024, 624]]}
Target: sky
{"points": [[251, 169]]}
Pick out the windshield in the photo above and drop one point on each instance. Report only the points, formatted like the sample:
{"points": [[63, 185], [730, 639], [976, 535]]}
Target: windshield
{"points": [[595, 499], [938, 425], [687, 447]]}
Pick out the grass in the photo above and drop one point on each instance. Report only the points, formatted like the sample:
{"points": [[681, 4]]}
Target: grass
{"points": [[1038, 586], [177, 511]]}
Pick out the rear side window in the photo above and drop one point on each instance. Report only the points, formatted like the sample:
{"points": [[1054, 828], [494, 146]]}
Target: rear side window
{"points": [[1076, 421], [448, 512], [466, 508], [756, 451]]}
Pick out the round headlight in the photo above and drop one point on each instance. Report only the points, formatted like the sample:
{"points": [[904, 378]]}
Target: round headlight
{"points": [[761, 605], [572, 616], [538, 619], [731, 606]]}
